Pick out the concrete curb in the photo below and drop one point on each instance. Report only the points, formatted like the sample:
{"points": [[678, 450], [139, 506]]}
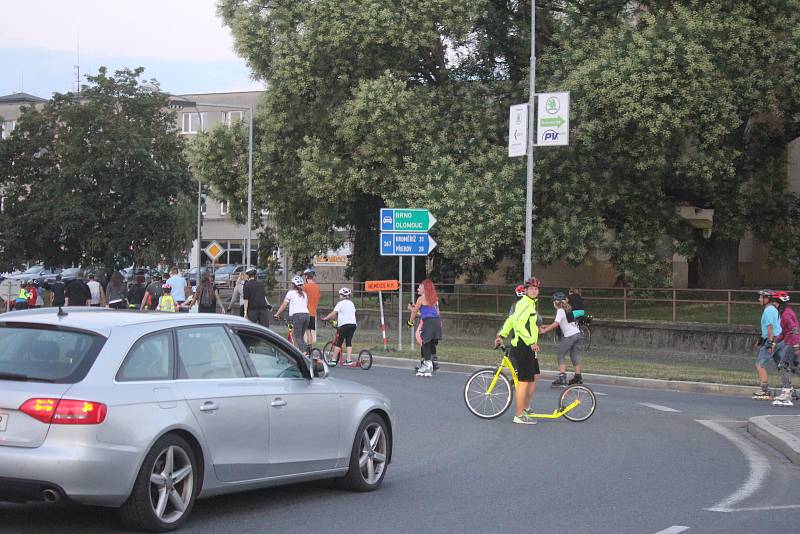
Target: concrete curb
{"points": [[607, 380], [774, 436]]}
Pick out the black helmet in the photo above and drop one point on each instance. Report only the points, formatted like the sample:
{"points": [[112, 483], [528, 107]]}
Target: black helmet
{"points": [[768, 293], [559, 295], [251, 272]]}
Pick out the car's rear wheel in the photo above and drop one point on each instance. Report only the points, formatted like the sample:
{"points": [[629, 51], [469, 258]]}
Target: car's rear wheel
{"points": [[370, 455], [165, 488]]}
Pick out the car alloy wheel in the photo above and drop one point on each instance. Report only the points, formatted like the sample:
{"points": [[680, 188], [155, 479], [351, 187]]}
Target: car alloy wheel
{"points": [[171, 484], [372, 460]]}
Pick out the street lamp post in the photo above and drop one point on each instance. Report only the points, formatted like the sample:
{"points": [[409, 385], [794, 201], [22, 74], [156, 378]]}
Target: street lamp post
{"points": [[249, 110], [184, 103]]}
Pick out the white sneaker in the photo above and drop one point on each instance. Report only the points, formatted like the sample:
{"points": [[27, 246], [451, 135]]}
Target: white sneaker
{"points": [[784, 399], [426, 369]]}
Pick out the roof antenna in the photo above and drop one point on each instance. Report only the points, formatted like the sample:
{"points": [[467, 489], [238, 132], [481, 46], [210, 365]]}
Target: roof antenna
{"points": [[61, 312]]}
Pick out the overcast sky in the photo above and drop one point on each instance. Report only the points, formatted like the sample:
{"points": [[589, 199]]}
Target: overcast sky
{"points": [[181, 43]]}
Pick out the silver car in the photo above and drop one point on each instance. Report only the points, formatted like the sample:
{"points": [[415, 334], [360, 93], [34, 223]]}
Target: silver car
{"points": [[150, 411]]}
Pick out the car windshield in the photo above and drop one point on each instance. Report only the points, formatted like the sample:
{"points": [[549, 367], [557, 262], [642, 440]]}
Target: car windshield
{"points": [[46, 354], [228, 269], [71, 270], [33, 270]]}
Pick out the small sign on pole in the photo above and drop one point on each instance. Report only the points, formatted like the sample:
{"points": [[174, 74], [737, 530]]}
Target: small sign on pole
{"points": [[380, 286], [518, 130], [552, 127], [214, 250]]}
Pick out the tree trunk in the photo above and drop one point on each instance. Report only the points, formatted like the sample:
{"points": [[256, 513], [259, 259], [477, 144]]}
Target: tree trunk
{"points": [[719, 263]]}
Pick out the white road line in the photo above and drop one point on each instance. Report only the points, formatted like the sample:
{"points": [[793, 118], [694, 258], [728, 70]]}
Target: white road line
{"points": [[673, 530], [759, 468], [763, 508], [599, 394], [659, 407]]}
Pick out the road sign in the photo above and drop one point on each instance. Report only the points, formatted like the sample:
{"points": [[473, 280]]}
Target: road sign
{"points": [[9, 289], [406, 220], [552, 127], [214, 251], [518, 130], [406, 244], [381, 285]]}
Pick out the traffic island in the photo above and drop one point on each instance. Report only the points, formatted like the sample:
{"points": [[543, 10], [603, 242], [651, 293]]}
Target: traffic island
{"points": [[781, 432]]}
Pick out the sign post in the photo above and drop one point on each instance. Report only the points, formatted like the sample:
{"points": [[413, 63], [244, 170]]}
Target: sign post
{"points": [[552, 128], [518, 130], [380, 286], [404, 232]]}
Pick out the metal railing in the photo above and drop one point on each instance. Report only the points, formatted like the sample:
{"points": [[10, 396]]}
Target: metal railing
{"points": [[720, 306]]}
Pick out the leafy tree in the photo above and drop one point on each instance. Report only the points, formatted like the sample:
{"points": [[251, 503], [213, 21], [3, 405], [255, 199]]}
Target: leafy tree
{"points": [[371, 104], [686, 103], [97, 177]]}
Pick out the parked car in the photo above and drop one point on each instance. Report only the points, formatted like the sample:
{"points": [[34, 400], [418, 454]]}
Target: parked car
{"points": [[69, 274], [191, 274], [149, 412], [130, 274], [227, 275], [29, 274]]}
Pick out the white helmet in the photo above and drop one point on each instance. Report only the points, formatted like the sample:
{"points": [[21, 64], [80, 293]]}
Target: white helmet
{"points": [[345, 292], [298, 281]]}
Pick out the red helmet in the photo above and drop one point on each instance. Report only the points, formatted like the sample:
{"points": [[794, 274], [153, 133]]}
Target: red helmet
{"points": [[167, 287], [533, 281], [519, 290], [782, 296]]}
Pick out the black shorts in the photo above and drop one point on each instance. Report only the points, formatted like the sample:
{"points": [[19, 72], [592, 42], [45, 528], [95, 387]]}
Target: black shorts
{"points": [[312, 322], [344, 334], [527, 363]]}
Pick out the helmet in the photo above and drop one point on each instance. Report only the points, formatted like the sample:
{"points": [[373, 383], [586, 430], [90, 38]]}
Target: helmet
{"points": [[36, 282], [533, 281], [297, 280], [310, 271], [559, 295], [782, 296], [345, 292], [167, 287], [766, 293], [519, 290], [251, 272]]}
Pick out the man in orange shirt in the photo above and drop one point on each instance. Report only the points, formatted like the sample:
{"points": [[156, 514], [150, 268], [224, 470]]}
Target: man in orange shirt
{"points": [[313, 292]]}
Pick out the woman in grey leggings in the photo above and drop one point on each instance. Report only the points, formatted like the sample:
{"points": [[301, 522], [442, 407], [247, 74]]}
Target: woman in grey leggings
{"points": [[297, 301], [569, 343]]}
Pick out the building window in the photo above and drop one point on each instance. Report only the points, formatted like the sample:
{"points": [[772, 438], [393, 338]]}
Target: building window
{"points": [[190, 122], [203, 207], [7, 128], [229, 117], [224, 207]]}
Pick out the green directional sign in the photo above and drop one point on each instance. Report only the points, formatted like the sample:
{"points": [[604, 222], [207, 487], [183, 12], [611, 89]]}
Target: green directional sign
{"points": [[556, 122], [406, 220]]}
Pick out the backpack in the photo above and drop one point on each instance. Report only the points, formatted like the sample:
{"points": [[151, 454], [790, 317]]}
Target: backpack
{"points": [[207, 298]]}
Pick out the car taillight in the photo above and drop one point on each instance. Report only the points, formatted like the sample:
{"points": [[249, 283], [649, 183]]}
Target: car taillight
{"points": [[65, 411]]}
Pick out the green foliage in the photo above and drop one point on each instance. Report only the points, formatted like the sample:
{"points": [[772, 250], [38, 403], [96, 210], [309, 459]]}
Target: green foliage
{"points": [[405, 104], [96, 178]]}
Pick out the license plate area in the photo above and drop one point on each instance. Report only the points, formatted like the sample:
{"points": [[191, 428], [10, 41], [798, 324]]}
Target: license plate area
{"points": [[3, 421]]}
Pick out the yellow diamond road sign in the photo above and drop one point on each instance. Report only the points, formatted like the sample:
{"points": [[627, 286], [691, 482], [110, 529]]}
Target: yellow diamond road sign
{"points": [[214, 250]]}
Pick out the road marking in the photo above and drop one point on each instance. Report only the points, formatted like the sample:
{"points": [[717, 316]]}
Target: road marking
{"points": [[673, 530], [659, 407], [761, 508], [601, 394], [759, 468]]}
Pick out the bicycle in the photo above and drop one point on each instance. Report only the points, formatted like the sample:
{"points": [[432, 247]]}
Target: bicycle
{"points": [[364, 360], [583, 325], [488, 394]]}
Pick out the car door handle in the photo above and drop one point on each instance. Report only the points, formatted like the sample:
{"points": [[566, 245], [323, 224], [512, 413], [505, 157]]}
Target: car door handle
{"points": [[278, 403], [209, 407]]}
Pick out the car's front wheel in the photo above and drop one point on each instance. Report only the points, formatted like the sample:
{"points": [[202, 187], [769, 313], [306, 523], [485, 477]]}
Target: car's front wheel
{"points": [[370, 455], [165, 488]]}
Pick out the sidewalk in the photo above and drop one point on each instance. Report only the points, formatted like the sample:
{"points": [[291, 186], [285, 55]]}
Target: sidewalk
{"points": [[782, 432]]}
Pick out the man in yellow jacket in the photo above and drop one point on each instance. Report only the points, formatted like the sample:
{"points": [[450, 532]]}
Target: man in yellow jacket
{"points": [[524, 348]]}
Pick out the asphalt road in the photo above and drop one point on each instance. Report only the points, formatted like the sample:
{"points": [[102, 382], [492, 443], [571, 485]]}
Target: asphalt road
{"points": [[683, 460]]}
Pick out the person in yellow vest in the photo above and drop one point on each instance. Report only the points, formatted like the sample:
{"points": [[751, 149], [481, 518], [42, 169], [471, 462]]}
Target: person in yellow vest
{"points": [[21, 303], [166, 303], [523, 324]]}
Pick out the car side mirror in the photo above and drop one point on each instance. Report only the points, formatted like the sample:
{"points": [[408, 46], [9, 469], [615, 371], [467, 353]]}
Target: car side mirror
{"points": [[321, 369]]}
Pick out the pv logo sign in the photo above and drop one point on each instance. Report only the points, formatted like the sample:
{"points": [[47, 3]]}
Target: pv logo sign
{"points": [[550, 135]]}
